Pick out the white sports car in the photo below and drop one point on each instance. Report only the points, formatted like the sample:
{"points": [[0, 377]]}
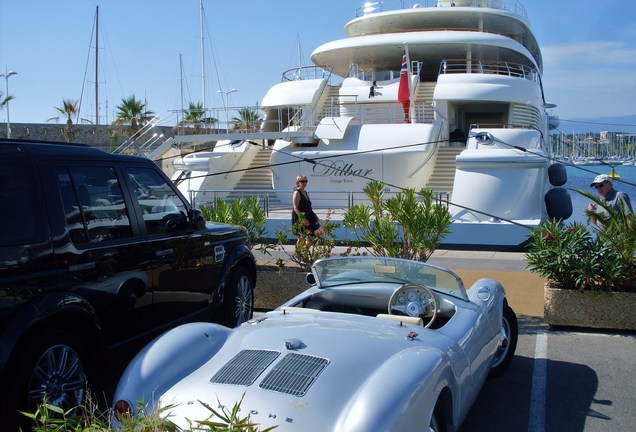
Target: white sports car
{"points": [[375, 344]]}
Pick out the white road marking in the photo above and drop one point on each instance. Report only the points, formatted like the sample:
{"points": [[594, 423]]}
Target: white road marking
{"points": [[536, 423]]}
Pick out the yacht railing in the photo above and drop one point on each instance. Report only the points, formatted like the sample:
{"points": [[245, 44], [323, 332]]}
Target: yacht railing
{"points": [[307, 117], [308, 72], [494, 67], [378, 112], [442, 127], [339, 201], [301, 119], [220, 120], [372, 7]]}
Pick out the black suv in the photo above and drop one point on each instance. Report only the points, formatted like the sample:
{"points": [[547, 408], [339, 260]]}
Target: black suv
{"points": [[97, 251]]}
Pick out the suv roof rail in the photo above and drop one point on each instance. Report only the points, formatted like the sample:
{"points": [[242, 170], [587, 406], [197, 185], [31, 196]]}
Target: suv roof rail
{"points": [[32, 141]]}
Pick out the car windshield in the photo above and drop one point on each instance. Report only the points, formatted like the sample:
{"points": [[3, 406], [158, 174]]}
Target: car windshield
{"points": [[347, 271]]}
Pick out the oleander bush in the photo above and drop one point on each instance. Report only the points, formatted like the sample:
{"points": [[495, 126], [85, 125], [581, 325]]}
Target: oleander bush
{"points": [[309, 247], [615, 227], [595, 257], [408, 225]]}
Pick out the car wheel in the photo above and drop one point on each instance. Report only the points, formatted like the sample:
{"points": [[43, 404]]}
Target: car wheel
{"points": [[507, 344], [49, 367], [434, 426], [238, 305]]}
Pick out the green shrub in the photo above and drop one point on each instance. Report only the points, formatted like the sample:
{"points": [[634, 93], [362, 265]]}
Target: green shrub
{"points": [[309, 248], [615, 227], [408, 225], [225, 420], [245, 212], [51, 418], [570, 256]]}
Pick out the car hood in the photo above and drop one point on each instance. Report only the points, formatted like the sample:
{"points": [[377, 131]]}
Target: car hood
{"points": [[297, 368]]}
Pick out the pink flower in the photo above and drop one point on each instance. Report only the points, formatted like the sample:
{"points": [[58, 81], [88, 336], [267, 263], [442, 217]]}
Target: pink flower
{"points": [[548, 236]]}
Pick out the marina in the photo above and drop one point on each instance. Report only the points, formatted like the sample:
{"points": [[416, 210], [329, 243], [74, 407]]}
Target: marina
{"points": [[434, 94], [438, 94]]}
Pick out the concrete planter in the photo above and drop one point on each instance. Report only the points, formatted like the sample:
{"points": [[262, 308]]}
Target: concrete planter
{"points": [[589, 309], [274, 286]]}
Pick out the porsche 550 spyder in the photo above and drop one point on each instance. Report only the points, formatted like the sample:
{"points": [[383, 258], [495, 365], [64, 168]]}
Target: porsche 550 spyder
{"points": [[374, 344]]}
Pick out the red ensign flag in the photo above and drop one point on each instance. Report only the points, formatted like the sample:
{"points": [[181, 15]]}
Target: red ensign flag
{"points": [[404, 92]]}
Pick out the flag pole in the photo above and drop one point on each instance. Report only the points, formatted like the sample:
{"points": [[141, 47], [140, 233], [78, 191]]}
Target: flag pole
{"points": [[409, 73], [408, 68]]}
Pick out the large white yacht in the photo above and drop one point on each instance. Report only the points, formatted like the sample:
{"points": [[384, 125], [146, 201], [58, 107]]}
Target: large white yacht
{"points": [[438, 94]]}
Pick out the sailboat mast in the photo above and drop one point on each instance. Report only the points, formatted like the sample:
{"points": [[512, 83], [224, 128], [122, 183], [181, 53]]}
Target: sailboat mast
{"points": [[202, 56], [97, 66], [181, 82]]}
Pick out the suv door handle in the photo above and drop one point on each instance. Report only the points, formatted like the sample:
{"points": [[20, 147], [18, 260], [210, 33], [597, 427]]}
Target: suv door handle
{"points": [[80, 267], [164, 252]]}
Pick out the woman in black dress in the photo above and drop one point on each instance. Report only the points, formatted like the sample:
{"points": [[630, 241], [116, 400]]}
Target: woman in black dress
{"points": [[302, 204]]}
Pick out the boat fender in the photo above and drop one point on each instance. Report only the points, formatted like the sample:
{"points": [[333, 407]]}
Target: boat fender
{"points": [[557, 174], [558, 203]]}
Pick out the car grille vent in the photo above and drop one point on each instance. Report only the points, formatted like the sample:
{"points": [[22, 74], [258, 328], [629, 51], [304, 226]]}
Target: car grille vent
{"points": [[244, 367], [294, 374]]}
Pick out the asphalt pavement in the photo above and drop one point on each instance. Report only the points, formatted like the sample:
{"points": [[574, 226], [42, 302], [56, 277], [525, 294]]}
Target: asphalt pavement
{"points": [[568, 380]]}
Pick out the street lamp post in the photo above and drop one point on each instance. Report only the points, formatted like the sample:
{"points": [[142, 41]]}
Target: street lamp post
{"points": [[225, 102], [6, 76]]}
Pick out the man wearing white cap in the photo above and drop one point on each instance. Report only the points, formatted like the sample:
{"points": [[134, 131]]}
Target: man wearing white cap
{"points": [[614, 199]]}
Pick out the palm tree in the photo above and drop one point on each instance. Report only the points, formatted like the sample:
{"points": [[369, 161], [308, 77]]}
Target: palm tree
{"points": [[193, 116], [4, 101], [132, 113], [68, 109], [247, 119]]}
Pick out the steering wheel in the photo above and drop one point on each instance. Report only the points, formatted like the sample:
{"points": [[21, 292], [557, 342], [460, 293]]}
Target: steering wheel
{"points": [[414, 300]]}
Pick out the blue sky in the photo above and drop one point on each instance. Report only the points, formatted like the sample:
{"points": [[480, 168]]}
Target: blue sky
{"points": [[589, 50]]}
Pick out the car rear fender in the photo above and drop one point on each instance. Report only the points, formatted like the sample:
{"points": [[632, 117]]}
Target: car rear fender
{"points": [[59, 309], [167, 359], [401, 394]]}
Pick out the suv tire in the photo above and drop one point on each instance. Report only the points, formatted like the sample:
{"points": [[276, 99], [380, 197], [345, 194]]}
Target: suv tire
{"points": [[238, 304], [50, 363]]}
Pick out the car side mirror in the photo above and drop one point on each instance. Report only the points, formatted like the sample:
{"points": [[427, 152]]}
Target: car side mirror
{"points": [[196, 219], [310, 278]]}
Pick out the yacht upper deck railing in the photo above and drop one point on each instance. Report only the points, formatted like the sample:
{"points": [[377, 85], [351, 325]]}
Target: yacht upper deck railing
{"points": [[304, 119], [308, 72], [492, 67], [372, 7]]}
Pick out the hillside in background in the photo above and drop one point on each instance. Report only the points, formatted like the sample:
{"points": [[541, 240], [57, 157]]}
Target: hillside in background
{"points": [[612, 124]]}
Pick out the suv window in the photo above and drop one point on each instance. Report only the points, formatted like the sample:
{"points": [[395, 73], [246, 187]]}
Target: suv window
{"points": [[18, 205], [93, 204], [162, 209]]}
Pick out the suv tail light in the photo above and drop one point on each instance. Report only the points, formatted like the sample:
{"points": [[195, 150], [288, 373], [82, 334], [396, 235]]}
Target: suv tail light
{"points": [[123, 410]]}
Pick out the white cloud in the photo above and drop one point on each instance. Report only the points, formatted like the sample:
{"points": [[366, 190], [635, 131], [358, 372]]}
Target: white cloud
{"points": [[591, 79], [578, 56]]}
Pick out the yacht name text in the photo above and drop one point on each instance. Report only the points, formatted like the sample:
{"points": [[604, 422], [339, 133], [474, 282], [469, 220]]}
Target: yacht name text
{"points": [[339, 168]]}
